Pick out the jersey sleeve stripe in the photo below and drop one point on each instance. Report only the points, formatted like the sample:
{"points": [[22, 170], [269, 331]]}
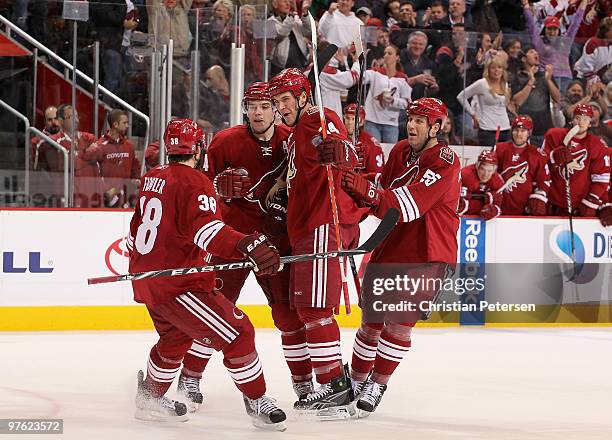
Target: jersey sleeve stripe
{"points": [[207, 232], [402, 205], [603, 178], [410, 210]]}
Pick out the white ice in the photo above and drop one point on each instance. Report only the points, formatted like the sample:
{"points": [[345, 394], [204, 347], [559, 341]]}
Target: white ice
{"points": [[456, 383]]}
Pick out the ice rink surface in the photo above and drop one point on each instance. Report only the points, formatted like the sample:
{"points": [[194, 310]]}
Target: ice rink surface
{"points": [[456, 383]]}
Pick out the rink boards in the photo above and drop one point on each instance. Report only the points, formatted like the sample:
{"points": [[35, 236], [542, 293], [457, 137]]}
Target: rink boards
{"points": [[47, 255]]}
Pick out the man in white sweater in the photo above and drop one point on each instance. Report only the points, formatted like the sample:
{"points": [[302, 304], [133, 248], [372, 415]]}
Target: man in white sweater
{"points": [[339, 25]]}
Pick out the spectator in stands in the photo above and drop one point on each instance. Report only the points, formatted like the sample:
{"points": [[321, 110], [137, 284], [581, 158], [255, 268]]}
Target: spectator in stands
{"points": [[119, 166], [574, 96], [216, 37], [335, 81], [594, 12], [487, 49], [290, 48], [480, 183], [434, 14], [87, 184], [400, 31], [389, 94], [554, 48], [513, 49], [456, 14], [596, 56], [214, 100], [598, 128], [418, 67], [484, 17], [338, 25], [509, 16], [43, 155], [391, 10], [448, 134], [377, 51], [109, 17], [253, 68], [608, 99], [364, 14], [168, 19], [532, 91], [493, 96]]}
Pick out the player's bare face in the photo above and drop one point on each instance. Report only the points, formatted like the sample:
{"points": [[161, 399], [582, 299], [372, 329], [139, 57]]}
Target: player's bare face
{"points": [[287, 105], [261, 115], [419, 131], [485, 171], [520, 136], [349, 122], [583, 121]]}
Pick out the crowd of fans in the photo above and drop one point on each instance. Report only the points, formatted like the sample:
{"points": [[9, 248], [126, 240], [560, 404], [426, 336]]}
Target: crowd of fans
{"points": [[488, 61]]}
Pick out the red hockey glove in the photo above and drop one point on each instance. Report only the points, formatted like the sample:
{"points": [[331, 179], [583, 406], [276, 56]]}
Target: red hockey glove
{"points": [[360, 150], [232, 183], [489, 212], [360, 188], [588, 207], [463, 206], [605, 214], [334, 151], [275, 222], [535, 206], [262, 253], [561, 155]]}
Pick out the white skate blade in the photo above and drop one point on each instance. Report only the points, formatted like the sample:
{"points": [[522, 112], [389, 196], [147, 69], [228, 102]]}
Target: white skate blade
{"points": [[192, 406], [343, 412], [362, 414], [149, 415], [260, 424]]}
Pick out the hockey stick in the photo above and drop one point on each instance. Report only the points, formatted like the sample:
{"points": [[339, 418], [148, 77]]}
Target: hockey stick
{"points": [[330, 176], [322, 58], [381, 232], [568, 198], [496, 138]]}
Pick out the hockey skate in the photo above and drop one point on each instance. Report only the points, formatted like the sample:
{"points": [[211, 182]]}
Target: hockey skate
{"points": [[265, 414], [331, 401], [157, 409], [190, 388], [370, 397], [303, 389]]}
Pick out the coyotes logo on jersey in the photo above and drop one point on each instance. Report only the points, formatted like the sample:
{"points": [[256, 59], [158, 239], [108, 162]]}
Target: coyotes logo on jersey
{"points": [[407, 177], [577, 163], [260, 190], [514, 176]]}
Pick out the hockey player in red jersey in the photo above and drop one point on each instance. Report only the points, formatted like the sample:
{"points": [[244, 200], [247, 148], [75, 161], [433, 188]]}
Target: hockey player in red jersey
{"points": [[524, 170], [587, 161], [316, 286], [480, 187], [247, 163], [420, 179], [175, 221], [370, 156]]}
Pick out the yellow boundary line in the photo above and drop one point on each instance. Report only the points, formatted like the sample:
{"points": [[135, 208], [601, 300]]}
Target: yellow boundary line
{"points": [[52, 318]]}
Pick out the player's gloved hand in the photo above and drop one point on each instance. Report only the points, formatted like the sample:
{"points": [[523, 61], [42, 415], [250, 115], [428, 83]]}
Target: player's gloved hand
{"points": [[360, 150], [334, 151], [360, 188], [588, 207], [561, 156], [535, 206], [275, 222], [489, 212], [463, 206], [232, 183], [262, 253], [605, 214]]}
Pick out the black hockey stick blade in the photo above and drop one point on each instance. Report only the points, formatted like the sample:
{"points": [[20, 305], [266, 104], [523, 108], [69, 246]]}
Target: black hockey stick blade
{"points": [[323, 58], [384, 228]]}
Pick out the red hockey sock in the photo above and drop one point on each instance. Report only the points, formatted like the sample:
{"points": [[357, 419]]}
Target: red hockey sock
{"points": [[293, 338], [196, 359], [160, 372], [364, 350], [323, 339], [393, 345], [247, 374]]}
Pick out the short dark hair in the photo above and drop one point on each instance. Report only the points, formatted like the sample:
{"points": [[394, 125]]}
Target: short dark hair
{"points": [[175, 158], [439, 3], [115, 116]]}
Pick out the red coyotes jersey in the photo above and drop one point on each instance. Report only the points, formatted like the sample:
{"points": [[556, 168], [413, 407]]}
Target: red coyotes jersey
{"points": [[117, 158], [50, 159], [374, 158], [525, 172], [86, 162], [475, 192], [425, 189], [309, 203], [46, 157], [265, 161], [589, 170], [175, 221]]}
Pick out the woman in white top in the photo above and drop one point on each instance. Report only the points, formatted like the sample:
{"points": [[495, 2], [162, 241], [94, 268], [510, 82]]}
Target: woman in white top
{"points": [[389, 94], [492, 96]]}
